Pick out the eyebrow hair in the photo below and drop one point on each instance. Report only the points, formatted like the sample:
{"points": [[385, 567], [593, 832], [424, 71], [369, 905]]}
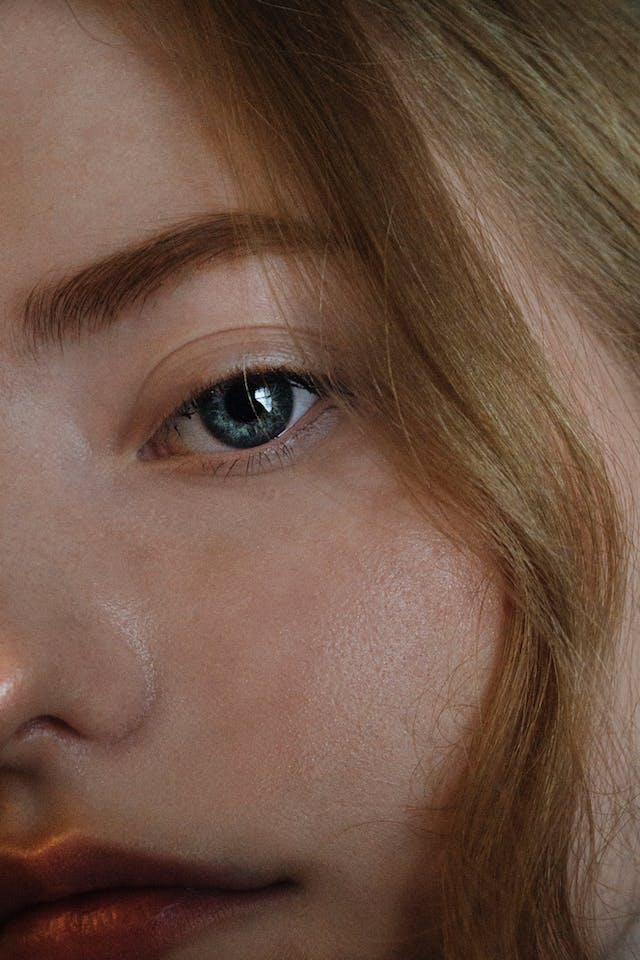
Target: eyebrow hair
{"points": [[92, 299]]}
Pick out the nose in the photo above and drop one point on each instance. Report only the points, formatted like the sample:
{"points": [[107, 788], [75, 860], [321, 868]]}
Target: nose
{"points": [[87, 678], [73, 640]]}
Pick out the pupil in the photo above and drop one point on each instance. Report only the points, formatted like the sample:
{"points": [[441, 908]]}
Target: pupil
{"points": [[246, 406]]}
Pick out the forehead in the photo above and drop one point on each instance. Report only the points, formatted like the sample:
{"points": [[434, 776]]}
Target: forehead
{"points": [[95, 148]]}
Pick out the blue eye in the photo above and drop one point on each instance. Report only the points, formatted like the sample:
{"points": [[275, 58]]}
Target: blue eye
{"points": [[243, 414], [248, 411]]}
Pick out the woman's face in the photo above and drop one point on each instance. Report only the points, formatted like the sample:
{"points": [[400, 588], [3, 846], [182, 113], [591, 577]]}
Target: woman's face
{"points": [[250, 669], [264, 670]]}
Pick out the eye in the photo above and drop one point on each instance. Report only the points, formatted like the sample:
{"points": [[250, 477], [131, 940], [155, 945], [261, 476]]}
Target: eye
{"points": [[240, 414]]}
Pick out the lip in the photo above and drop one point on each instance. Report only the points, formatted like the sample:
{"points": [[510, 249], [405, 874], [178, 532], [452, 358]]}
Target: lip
{"points": [[72, 899]]}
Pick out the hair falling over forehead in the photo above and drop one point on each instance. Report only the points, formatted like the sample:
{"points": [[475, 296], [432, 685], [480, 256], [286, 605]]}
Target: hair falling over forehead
{"points": [[350, 113]]}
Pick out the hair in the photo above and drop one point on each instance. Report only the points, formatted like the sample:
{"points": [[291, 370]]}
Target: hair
{"points": [[360, 115]]}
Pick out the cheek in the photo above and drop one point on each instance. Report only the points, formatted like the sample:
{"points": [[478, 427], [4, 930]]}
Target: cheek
{"points": [[314, 652], [395, 669]]}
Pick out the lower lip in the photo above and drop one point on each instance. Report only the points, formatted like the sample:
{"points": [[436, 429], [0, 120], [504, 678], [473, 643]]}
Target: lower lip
{"points": [[131, 924]]}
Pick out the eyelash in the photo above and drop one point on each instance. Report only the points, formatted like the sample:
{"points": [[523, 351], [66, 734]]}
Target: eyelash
{"points": [[262, 457]]}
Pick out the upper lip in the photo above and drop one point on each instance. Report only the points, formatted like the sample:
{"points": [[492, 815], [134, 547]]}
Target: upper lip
{"points": [[68, 867]]}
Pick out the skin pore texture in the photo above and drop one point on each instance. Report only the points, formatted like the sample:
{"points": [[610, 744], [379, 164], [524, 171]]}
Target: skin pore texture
{"points": [[270, 670]]}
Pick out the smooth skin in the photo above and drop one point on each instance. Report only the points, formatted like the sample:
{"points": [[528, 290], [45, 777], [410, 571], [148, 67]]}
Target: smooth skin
{"points": [[270, 670]]}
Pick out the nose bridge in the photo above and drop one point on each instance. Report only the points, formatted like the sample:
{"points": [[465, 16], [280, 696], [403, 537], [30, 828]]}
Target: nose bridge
{"points": [[73, 636]]}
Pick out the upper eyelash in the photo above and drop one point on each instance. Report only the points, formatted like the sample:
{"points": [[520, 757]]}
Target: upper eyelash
{"points": [[315, 383]]}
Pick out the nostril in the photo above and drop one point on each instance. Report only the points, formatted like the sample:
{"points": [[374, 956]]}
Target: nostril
{"points": [[72, 675], [46, 724]]}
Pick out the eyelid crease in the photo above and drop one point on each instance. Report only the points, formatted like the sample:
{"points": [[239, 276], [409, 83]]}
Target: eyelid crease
{"points": [[65, 308]]}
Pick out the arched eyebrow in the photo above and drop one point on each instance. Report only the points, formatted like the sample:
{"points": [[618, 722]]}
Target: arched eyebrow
{"points": [[93, 298]]}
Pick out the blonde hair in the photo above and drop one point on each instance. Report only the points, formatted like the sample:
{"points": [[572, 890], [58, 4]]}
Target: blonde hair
{"points": [[353, 112]]}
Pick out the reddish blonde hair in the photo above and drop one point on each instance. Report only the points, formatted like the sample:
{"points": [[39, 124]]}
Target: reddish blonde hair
{"points": [[342, 112]]}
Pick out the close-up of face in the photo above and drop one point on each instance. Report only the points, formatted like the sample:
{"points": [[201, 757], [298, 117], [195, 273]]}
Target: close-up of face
{"points": [[239, 653], [238, 668]]}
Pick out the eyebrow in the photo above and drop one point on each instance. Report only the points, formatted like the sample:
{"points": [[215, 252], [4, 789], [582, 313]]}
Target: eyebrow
{"points": [[93, 298]]}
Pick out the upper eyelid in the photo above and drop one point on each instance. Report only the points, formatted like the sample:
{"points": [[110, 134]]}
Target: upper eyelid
{"points": [[214, 356], [313, 380]]}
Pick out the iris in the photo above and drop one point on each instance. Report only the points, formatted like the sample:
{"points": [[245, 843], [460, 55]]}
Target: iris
{"points": [[247, 411]]}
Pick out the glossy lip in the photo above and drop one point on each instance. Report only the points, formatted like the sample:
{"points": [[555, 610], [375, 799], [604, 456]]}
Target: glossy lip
{"points": [[130, 924], [70, 867]]}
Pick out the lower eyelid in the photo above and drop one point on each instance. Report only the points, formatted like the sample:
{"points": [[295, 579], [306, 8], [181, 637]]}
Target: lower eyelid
{"points": [[292, 445]]}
